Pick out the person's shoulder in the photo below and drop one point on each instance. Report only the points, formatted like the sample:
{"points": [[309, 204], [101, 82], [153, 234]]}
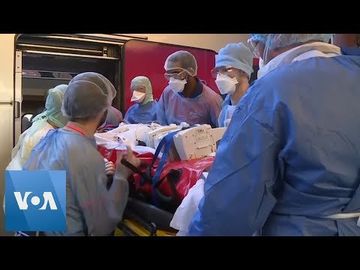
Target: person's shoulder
{"points": [[299, 70], [166, 93], [279, 79], [210, 92], [166, 90], [80, 149], [40, 130], [208, 89], [132, 107], [151, 104], [71, 139], [282, 84]]}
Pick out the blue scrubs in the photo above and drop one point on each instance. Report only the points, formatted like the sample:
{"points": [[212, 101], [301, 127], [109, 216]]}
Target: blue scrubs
{"points": [[290, 156], [91, 209], [226, 108], [143, 114], [203, 108]]}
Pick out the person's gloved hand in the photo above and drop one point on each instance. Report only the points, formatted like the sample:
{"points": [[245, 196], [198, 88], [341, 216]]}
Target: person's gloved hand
{"points": [[184, 125], [129, 157], [109, 167]]}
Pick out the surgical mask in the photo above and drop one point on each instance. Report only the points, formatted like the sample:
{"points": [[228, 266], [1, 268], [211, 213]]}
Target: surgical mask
{"points": [[177, 85], [226, 84], [138, 97]]}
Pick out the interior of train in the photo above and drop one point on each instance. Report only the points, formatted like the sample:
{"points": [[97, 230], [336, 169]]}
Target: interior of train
{"points": [[48, 61]]}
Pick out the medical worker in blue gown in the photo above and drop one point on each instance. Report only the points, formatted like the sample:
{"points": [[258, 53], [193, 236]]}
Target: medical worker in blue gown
{"points": [[144, 109], [186, 98], [51, 118], [91, 208], [233, 68], [289, 161]]}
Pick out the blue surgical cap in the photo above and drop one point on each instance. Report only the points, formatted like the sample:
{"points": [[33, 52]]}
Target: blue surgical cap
{"points": [[235, 55], [86, 96], [274, 41], [100, 81], [182, 60]]}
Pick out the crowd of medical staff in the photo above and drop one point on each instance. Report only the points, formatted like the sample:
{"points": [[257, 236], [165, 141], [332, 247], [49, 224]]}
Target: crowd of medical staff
{"points": [[288, 163]]}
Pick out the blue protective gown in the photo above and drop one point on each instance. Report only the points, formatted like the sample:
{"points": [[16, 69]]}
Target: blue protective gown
{"points": [[204, 108], [91, 209], [143, 114], [290, 156], [224, 113]]}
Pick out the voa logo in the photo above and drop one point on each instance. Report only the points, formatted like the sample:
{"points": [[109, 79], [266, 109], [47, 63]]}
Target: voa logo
{"points": [[23, 199], [35, 201]]}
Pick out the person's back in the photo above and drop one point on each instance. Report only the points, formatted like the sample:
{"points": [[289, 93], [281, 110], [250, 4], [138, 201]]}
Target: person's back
{"points": [[81, 210], [93, 207], [49, 119], [289, 161], [31, 138], [320, 145]]}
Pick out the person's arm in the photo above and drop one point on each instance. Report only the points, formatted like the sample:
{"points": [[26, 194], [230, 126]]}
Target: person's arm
{"points": [[119, 190], [103, 209], [240, 188], [32, 139], [88, 186]]}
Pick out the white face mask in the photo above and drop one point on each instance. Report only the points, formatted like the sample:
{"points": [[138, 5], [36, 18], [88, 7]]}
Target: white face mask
{"points": [[138, 97], [177, 85], [226, 84]]}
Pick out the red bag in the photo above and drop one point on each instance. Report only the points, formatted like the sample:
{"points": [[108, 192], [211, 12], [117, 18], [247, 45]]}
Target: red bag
{"points": [[176, 178], [190, 170], [140, 186], [158, 181]]}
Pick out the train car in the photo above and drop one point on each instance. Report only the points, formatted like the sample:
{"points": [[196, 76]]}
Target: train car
{"points": [[32, 64]]}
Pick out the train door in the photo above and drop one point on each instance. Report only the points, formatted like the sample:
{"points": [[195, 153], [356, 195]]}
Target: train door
{"points": [[7, 105], [45, 61]]}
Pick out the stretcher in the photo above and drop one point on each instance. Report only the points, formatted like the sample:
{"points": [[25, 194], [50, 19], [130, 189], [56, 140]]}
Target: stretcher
{"points": [[144, 219]]}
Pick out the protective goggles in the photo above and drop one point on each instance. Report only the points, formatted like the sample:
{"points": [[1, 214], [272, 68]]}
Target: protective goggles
{"points": [[179, 75]]}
